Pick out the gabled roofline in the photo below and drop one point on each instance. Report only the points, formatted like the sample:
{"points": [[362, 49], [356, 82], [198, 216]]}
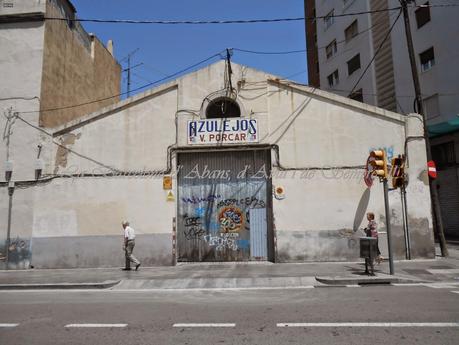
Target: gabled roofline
{"points": [[344, 101], [111, 109], [270, 78]]}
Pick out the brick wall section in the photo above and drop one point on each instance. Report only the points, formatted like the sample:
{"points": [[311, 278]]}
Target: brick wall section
{"points": [[77, 68]]}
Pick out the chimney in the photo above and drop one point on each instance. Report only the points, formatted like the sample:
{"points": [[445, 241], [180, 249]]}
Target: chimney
{"points": [[110, 46]]}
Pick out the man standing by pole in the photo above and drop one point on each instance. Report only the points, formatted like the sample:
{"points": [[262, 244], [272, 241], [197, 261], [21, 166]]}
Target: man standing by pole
{"points": [[438, 223], [129, 244]]}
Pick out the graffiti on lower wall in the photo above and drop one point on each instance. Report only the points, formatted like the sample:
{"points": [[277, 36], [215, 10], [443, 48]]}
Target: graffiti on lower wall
{"points": [[214, 220], [19, 252]]}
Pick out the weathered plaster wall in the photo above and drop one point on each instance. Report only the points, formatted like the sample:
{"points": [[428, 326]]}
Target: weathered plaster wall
{"points": [[326, 200], [326, 138], [20, 70], [77, 68], [20, 76]]}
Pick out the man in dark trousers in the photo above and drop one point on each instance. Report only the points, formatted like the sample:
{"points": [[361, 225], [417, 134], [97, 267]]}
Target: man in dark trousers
{"points": [[129, 244]]}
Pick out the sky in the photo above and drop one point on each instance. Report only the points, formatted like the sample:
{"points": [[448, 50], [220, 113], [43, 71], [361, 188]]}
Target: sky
{"points": [[166, 49]]}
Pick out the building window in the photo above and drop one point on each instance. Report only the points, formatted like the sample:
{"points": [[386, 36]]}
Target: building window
{"points": [[444, 155], [422, 15], [351, 31], [333, 78], [357, 95], [432, 106], [331, 49], [353, 64], [222, 107], [427, 59], [329, 19]]}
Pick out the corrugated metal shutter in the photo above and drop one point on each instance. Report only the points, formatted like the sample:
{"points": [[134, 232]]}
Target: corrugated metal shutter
{"points": [[216, 191], [258, 234], [449, 200]]}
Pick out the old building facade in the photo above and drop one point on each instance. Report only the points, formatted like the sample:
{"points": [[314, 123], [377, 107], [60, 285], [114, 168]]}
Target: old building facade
{"points": [[264, 170], [44, 65]]}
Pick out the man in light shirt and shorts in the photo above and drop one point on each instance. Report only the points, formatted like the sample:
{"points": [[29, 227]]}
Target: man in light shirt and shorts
{"points": [[129, 244]]}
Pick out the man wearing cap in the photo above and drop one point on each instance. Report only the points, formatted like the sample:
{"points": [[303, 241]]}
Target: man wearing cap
{"points": [[129, 244]]}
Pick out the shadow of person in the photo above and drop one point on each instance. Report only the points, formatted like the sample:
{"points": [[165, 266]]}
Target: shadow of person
{"points": [[361, 209]]}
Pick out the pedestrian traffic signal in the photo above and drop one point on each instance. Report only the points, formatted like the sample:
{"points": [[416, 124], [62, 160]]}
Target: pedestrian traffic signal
{"points": [[398, 172], [379, 163]]}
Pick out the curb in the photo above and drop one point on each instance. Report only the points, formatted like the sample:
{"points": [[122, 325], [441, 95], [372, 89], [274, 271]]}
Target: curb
{"points": [[375, 280], [61, 286]]}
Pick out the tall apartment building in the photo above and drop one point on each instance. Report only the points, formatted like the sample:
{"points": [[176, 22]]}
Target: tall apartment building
{"points": [[340, 50]]}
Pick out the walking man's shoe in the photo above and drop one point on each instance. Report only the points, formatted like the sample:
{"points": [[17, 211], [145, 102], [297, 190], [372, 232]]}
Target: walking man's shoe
{"points": [[127, 269], [137, 266]]}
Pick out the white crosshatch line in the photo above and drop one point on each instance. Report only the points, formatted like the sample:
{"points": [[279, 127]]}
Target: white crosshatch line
{"points": [[8, 325], [370, 324]]}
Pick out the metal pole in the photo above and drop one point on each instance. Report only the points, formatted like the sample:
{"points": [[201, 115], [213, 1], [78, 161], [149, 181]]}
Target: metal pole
{"points": [[8, 231], [389, 237], [129, 76], [420, 108], [405, 223]]}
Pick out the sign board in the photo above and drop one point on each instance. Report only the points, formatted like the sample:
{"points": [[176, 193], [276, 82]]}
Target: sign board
{"points": [[167, 182], [222, 131], [432, 169], [368, 175]]}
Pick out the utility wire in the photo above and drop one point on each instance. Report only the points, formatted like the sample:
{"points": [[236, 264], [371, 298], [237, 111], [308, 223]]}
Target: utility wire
{"points": [[124, 93], [232, 21], [308, 49], [66, 148], [377, 51], [199, 22], [270, 53]]}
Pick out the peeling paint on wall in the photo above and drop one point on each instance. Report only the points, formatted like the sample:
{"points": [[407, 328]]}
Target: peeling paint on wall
{"points": [[424, 177], [62, 151]]}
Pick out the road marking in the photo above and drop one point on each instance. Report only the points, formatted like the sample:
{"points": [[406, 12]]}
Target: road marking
{"points": [[8, 325], [186, 325], [370, 324], [96, 325], [455, 291], [443, 271], [441, 285]]}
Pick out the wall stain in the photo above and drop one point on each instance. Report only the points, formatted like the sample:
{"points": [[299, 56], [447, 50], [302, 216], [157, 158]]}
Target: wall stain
{"points": [[62, 151]]}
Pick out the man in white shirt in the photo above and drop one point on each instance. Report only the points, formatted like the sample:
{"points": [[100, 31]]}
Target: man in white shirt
{"points": [[129, 244]]}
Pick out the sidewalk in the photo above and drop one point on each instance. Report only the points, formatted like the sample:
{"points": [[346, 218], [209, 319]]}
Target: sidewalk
{"points": [[236, 275]]}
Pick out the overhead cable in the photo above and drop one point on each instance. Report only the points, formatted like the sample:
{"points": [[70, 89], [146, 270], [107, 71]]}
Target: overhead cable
{"points": [[65, 147], [200, 22], [124, 93], [376, 53]]}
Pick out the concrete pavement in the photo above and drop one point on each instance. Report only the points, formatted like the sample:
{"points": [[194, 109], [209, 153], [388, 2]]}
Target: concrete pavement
{"points": [[236, 275]]}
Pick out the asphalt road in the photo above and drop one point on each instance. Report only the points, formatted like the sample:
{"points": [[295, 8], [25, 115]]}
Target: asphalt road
{"points": [[358, 315]]}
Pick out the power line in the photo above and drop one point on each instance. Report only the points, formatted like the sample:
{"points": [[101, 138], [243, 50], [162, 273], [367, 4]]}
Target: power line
{"points": [[64, 147], [377, 51], [200, 22], [308, 49], [124, 93], [270, 53]]}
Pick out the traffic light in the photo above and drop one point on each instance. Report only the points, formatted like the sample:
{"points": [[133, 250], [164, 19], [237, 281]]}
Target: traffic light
{"points": [[398, 172], [379, 163]]}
